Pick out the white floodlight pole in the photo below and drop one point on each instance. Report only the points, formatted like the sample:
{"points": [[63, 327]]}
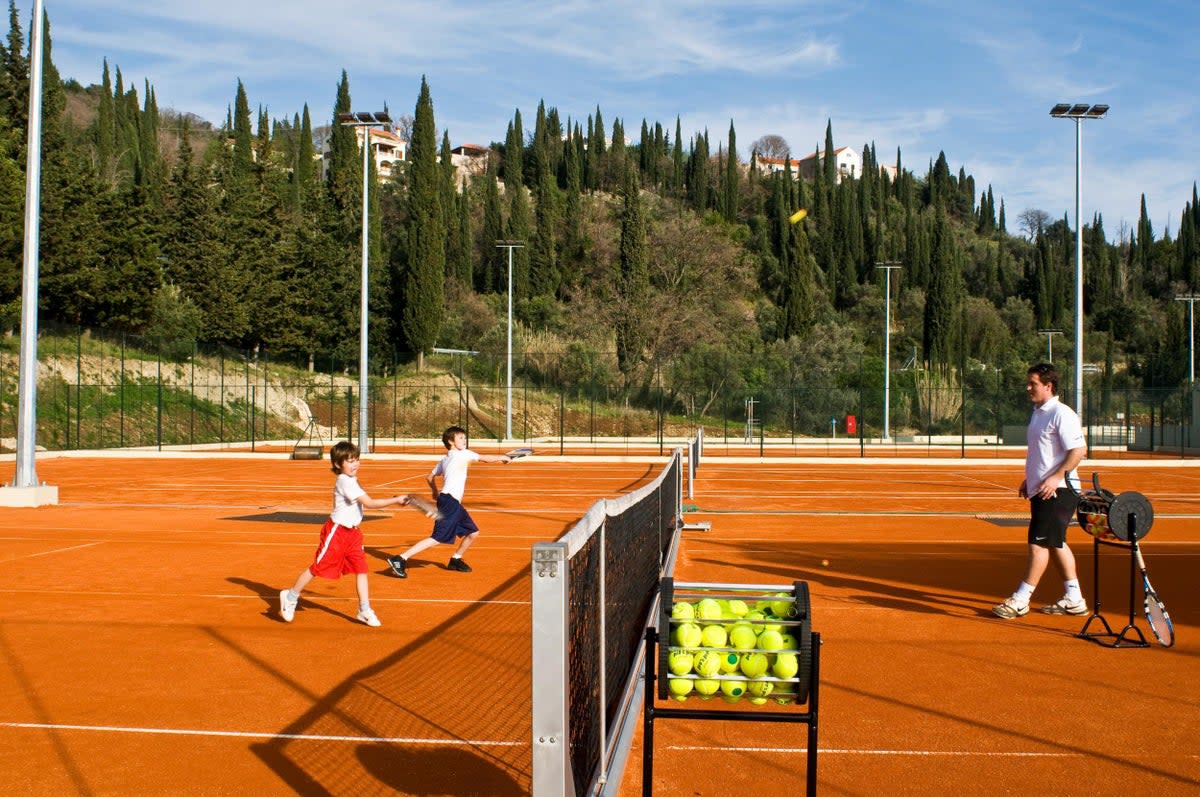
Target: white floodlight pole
{"points": [[887, 266], [25, 478], [1050, 333], [1191, 299], [510, 246], [365, 122], [1078, 112]]}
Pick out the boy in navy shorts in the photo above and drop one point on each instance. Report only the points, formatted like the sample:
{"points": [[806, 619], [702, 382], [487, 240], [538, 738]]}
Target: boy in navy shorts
{"points": [[455, 523], [340, 550]]}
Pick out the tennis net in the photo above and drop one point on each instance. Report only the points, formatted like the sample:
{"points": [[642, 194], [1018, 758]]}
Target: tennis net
{"points": [[594, 591]]}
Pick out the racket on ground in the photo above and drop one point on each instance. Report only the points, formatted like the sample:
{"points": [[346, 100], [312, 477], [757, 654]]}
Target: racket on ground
{"points": [[424, 506], [1156, 613], [517, 453]]}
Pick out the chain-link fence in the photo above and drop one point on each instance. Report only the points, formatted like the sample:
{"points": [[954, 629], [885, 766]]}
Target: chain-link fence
{"points": [[99, 391]]}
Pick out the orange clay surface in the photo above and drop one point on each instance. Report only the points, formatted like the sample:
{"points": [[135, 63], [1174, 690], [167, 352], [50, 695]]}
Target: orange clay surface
{"points": [[141, 651]]}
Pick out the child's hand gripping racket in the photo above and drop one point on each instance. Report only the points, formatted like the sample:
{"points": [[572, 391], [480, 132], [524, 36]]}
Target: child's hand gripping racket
{"points": [[1156, 613], [424, 506], [517, 453]]}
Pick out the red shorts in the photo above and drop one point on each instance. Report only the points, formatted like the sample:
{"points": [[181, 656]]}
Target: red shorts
{"points": [[339, 553]]}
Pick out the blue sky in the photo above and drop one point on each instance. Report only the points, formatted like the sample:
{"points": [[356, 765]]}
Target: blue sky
{"points": [[972, 79]]}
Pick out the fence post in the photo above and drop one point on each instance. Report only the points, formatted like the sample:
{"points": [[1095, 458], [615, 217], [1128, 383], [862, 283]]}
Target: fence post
{"points": [[562, 401], [78, 386], [158, 430], [253, 406]]}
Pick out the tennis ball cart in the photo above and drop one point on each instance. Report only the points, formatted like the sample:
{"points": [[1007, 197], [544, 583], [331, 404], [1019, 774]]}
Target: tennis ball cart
{"points": [[732, 652], [1122, 521]]}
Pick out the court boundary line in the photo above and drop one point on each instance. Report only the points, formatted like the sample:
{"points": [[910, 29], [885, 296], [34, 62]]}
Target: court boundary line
{"points": [[47, 726], [48, 553], [911, 753]]}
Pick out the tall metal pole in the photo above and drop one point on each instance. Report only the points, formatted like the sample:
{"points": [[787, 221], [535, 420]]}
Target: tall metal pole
{"points": [[364, 122], [1078, 112], [26, 473], [1191, 299], [510, 246], [363, 313], [887, 266], [1050, 333], [1079, 266]]}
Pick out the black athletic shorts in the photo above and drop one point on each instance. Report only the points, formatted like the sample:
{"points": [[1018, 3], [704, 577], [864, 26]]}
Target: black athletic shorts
{"points": [[1048, 520]]}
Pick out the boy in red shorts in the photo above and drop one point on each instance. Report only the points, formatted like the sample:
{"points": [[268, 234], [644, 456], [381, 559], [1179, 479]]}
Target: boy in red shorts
{"points": [[340, 550]]}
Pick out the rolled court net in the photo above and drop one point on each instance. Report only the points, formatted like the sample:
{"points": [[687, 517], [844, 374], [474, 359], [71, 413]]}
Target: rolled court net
{"points": [[593, 594]]}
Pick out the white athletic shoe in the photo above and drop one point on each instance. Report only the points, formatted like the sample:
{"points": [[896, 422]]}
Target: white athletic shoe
{"points": [[287, 606], [367, 616]]}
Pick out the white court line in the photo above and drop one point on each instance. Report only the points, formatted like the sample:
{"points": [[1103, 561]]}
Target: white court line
{"points": [[319, 599], [252, 735], [847, 751], [47, 553]]}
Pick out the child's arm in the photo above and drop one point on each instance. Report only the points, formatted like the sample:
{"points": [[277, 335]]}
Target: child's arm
{"points": [[433, 486], [381, 503], [504, 458]]}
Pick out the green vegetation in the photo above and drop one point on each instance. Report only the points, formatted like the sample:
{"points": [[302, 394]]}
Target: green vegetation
{"points": [[661, 276]]}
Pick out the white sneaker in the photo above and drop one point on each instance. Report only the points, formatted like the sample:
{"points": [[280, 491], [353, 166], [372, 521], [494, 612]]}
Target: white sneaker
{"points": [[367, 616], [1065, 605], [287, 606]]}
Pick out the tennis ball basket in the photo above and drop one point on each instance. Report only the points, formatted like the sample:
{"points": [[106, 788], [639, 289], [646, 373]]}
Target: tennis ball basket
{"points": [[732, 652]]}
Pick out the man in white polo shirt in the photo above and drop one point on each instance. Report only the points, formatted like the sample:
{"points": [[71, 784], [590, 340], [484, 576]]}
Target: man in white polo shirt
{"points": [[1056, 447]]}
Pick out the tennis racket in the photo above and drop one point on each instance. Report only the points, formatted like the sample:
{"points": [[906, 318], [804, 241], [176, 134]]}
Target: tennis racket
{"points": [[1156, 613], [424, 506], [517, 453]]}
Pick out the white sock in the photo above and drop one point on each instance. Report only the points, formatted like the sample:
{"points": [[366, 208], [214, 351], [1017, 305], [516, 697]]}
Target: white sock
{"points": [[364, 607], [1023, 594], [293, 596], [1072, 589]]}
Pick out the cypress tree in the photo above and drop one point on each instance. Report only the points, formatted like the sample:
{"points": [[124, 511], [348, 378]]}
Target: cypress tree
{"points": [[243, 148], [633, 280], [729, 199], [488, 275], [543, 262], [942, 329], [421, 276]]}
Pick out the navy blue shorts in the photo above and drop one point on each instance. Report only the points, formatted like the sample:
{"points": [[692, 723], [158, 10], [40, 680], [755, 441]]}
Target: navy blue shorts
{"points": [[455, 521], [1048, 520]]}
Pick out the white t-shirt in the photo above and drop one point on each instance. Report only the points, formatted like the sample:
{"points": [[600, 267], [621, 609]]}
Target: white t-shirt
{"points": [[453, 470], [347, 511], [1054, 429]]}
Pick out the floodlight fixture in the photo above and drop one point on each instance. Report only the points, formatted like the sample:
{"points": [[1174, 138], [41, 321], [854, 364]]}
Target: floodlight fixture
{"points": [[1060, 109]]}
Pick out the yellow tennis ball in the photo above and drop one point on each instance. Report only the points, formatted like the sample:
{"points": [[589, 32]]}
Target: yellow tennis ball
{"points": [[708, 609], [760, 688], [756, 617], [732, 688], [679, 687], [730, 662], [683, 610], [742, 637], [680, 662], [757, 701], [707, 686], [738, 608], [783, 608], [770, 640], [686, 635], [713, 636], [707, 663], [789, 641], [785, 666], [753, 664]]}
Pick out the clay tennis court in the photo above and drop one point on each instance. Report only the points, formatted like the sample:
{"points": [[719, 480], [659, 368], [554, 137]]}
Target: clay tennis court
{"points": [[141, 650]]}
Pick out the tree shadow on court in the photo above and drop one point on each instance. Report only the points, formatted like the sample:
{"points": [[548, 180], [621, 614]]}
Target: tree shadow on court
{"points": [[445, 713], [456, 771], [270, 596]]}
